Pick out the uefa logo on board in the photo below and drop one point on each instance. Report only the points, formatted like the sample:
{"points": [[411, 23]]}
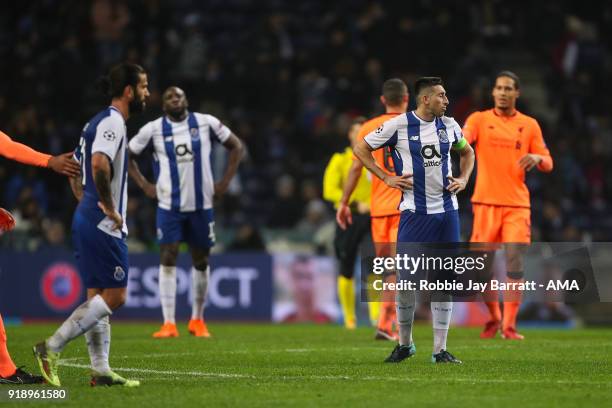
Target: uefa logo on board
{"points": [[61, 286]]}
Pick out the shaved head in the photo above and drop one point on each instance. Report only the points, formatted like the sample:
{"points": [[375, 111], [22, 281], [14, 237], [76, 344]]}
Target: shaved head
{"points": [[173, 89]]}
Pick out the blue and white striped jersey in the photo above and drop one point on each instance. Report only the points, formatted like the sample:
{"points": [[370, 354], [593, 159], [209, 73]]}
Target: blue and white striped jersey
{"points": [[421, 148], [182, 159], [105, 133]]}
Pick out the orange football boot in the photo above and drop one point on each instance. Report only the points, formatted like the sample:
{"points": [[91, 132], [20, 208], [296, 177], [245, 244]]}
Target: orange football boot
{"points": [[167, 330], [198, 328]]}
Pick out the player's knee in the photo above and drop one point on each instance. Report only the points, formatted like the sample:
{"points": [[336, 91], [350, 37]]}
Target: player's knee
{"points": [[201, 263], [514, 263], [389, 275], [346, 272], [514, 257], [119, 300], [347, 268], [169, 256], [405, 299], [116, 299], [516, 275]]}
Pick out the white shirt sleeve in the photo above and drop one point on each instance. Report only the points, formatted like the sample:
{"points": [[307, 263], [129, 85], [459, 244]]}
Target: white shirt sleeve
{"points": [[217, 129], [456, 131], [109, 135], [385, 135], [142, 139]]}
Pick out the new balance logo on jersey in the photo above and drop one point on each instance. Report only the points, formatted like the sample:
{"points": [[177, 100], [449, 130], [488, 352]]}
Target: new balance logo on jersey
{"points": [[415, 138], [183, 154], [430, 156]]}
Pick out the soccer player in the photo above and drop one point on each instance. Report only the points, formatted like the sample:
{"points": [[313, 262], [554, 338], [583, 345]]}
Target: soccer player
{"points": [[346, 241], [420, 143], [98, 228], [508, 144], [182, 143], [384, 199], [62, 164]]}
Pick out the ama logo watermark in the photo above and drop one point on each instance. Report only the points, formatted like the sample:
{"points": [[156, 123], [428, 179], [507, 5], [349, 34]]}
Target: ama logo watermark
{"points": [[61, 286]]}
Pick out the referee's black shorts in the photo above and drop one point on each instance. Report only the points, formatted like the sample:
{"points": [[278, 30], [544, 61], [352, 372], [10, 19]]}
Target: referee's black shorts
{"points": [[346, 242]]}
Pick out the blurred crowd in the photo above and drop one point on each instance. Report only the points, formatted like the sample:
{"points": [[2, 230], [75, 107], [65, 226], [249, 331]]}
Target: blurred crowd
{"points": [[287, 77]]}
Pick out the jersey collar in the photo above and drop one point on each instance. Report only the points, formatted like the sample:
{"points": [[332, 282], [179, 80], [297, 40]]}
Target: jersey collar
{"points": [[420, 119], [182, 121], [515, 114]]}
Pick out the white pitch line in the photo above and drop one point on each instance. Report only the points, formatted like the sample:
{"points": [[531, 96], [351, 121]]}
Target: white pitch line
{"points": [[338, 377], [269, 351], [165, 372]]}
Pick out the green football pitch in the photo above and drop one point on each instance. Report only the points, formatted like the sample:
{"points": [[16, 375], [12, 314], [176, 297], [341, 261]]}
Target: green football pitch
{"points": [[306, 365]]}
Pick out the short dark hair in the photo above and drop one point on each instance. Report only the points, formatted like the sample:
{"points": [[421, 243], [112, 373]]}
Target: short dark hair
{"points": [[120, 76], [394, 90], [511, 75], [426, 82]]}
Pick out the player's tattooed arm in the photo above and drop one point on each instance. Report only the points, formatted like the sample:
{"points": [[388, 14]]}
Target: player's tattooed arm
{"points": [[100, 165], [76, 185], [236, 153], [142, 182], [363, 151]]}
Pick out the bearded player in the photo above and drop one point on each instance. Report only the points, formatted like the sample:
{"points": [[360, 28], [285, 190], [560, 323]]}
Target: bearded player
{"points": [[99, 230], [508, 144]]}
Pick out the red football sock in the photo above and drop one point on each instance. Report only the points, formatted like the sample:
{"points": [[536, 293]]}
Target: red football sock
{"points": [[510, 311], [512, 303], [7, 367], [382, 317], [494, 310], [391, 315]]}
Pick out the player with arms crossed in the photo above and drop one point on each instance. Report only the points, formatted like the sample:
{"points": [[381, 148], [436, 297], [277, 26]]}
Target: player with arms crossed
{"points": [[62, 164], [508, 144], [384, 199], [99, 230], [182, 143], [421, 141]]}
